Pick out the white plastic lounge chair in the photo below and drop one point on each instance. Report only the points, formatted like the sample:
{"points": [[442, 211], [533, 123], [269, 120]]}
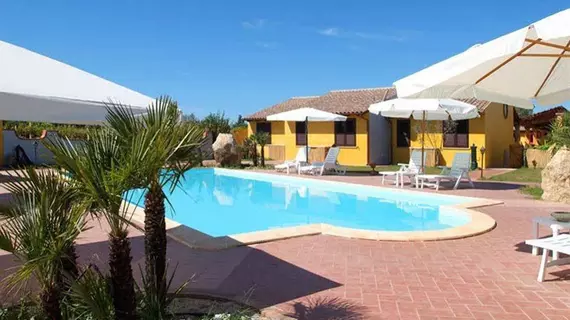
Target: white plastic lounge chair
{"points": [[293, 164], [410, 170], [560, 243], [330, 164], [459, 171]]}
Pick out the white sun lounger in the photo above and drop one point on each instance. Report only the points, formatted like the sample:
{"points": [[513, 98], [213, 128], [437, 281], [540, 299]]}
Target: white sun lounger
{"points": [[293, 164], [458, 172], [410, 170], [560, 243], [330, 164]]}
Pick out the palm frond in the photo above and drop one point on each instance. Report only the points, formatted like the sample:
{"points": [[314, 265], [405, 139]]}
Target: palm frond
{"points": [[102, 172], [150, 299], [40, 228], [89, 296]]}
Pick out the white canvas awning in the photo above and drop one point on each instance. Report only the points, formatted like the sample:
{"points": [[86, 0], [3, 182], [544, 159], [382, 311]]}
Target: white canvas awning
{"points": [[532, 63], [306, 114], [34, 87], [435, 109]]}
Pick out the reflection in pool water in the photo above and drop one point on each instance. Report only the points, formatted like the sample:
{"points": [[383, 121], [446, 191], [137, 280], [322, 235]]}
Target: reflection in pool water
{"points": [[224, 202]]}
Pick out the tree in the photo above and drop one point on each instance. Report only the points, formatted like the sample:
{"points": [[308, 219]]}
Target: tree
{"points": [[261, 138], [40, 230], [191, 118], [251, 146], [217, 123], [162, 142], [524, 112], [240, 123], [103, 172]]}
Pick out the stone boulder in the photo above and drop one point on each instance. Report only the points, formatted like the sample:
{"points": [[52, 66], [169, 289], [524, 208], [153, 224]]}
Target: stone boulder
{"points": [[226, 151], [556, 178]]}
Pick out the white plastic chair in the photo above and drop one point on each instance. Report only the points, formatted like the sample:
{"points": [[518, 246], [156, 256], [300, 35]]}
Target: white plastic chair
{"points": [[410, 169], [458, 172], [560, 243], [329, 164], [293, 164]]}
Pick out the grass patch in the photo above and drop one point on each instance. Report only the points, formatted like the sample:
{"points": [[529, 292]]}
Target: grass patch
{"points": [[533, 191], [429, 170], [520, 175]]}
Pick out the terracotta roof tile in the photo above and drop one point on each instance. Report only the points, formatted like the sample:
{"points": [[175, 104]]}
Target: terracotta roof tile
{"points": [[543, 118], [480, 104], [287, 105], [352, 101]]}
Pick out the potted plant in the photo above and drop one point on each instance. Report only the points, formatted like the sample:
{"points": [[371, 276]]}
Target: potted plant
{"points": [[372, 165]]}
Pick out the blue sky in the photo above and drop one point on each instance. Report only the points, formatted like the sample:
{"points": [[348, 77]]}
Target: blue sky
{"points": [[241, 56]]}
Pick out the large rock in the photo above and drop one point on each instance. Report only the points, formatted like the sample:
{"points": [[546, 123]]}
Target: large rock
{"points": [[226, 151], [556, 177]]}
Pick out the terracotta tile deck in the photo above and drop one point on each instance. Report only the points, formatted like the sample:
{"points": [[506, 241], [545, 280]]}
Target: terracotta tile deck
{"points": [[491, 276]]}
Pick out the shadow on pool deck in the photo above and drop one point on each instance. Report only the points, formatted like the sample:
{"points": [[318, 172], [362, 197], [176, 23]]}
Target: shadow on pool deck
{"points": [[326, 308], [243, 274], [486, 185]]}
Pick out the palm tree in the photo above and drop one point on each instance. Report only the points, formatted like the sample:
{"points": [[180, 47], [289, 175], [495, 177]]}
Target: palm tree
{"points": [[251, 144], [40, 229], [261, 138], [217, 123], [35, 183], [102, 172], [168, 149]]}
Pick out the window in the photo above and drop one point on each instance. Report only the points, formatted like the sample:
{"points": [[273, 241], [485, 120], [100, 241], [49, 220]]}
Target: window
{"points": [[265, 127], [403, 133], [301, 133], [456, 134], [345, 132]]}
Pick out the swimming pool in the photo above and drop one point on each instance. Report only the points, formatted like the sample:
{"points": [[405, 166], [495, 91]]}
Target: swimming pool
{"points": [[221, 202]]}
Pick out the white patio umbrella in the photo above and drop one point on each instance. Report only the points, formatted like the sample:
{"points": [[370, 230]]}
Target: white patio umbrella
{"points": [[530, 63], [306, 115], [425, 109], [34, 87]]}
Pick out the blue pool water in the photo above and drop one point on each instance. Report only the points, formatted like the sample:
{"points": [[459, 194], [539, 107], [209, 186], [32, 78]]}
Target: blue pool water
{"points": [[222, 202]]}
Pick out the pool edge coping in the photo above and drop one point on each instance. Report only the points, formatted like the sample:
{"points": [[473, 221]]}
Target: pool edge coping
{"points": [[480, 223]]}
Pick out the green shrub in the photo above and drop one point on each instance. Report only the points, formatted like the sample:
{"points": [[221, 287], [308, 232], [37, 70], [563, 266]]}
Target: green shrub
{"points": [[33, 130], [543, 147], [533, 191], [560, 131], [25, 309]]}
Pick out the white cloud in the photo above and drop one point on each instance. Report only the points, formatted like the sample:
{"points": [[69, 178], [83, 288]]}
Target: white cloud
{"points": [[254, 24], [396, 36], [330, 32]]}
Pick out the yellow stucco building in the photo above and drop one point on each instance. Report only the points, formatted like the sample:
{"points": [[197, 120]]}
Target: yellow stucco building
{"points": [[352, 136], [366, 138], [492, 130]]}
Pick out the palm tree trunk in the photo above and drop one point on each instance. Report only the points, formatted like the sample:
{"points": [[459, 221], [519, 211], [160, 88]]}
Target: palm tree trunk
{"points": [[254, 158], [50, 299], [69, 268], [155, 240], [262, 156], [122, 279]]}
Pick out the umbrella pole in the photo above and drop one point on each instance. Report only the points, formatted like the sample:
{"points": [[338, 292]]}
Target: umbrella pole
{"points": [[423, 139], [307, 139]]}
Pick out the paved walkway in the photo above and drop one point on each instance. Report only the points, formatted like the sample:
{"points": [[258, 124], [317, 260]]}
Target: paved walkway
{"points": [[491, 276]]}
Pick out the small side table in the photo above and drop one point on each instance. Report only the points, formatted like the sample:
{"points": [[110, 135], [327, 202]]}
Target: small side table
{"points": [[554, 225]]}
